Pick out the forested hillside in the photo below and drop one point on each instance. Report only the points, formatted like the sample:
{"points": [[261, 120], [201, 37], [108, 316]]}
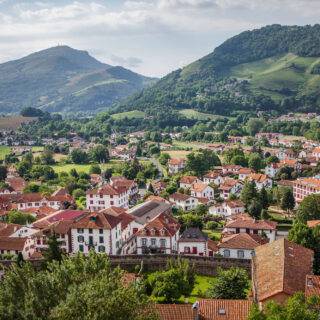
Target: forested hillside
{"points": [[272, 68]]}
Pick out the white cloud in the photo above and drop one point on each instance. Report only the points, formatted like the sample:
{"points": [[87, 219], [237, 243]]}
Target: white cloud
{"points": [[165, 31]]}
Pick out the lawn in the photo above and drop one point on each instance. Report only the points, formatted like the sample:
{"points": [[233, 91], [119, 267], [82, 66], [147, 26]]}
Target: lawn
{"points": [[213, 235], [4, 150], [177, 153], [129, 114], [58, 168], [194, 114], [203, 283]]}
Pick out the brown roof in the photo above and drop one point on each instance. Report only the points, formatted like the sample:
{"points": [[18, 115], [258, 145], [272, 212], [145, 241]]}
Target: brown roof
{"points": [[250, 223], [312, 285], [7, 229], [245, 171], [218, 309], [258, 177], [212, 174], [175, 312], [213, 245], [7, 243], [97, 220], [180, 196], [228, 184], [164, 222], [16, 183], [188, 179], [280, 267], [234, 203], [242, 241], [176, 161], [125, 218], [199, 186], [313, 223]]}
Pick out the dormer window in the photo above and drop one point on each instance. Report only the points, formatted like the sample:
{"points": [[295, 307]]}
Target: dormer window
{"points": [[162, 232], [222, 311], [153, 231]]}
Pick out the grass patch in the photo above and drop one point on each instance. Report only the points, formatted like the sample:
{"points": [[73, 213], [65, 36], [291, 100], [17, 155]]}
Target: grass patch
{"points": [[194, 114], [4, 150], [58, 168], [203, 283], [213, 234], [14, 122], [177, 153], [135, 114]]}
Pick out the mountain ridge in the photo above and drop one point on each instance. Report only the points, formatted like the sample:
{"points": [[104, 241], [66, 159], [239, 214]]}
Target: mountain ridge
{"points": [[51, 80]]}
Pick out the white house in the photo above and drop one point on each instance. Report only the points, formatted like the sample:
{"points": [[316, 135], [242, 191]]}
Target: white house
{"points": [[186, 182], [202, 190], [260, 180], [14, 246], [240, 246], [176, 165], [213, 177], [159, 235], [230, 186], [244, 173], [97, 231], [194, 242], [228, 208], [183, 201], [107, 196], [246, 224], [272, 169]]}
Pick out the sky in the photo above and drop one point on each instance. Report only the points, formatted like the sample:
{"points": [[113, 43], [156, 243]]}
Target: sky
{"points": [[152, 37]]}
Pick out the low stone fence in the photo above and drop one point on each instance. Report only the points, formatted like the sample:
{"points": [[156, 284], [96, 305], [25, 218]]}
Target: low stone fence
{"points": [[203, 265]]}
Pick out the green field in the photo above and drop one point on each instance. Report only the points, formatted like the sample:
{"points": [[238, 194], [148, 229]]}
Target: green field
{"points": [[58, 168], [129, 115], [4, 150], [194, 114], [278, 75]]}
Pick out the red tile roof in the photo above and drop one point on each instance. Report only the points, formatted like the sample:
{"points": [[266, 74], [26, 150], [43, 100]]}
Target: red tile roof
{"points": [[216, 309], [7, 243], [16, 183], [176, 161], [180, 196], [7, 229], [188, 179], [250, 223], [175, 312], [313, 223], [242, 241], [312, 285], [280, 267]]}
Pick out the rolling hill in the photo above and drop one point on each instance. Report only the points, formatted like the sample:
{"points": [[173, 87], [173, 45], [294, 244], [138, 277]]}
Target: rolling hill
{"points": [[62, 79], [272, 68]]}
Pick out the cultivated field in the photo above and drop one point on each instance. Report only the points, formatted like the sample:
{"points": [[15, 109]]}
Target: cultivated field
{"points": [[14, 122], [129, 115]]}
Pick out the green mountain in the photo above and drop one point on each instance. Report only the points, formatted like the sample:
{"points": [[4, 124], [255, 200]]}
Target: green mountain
{"points": [[272, 68], [62, 79]]}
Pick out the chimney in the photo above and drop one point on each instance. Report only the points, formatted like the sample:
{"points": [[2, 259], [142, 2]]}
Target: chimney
{"points": [[195, 309]]}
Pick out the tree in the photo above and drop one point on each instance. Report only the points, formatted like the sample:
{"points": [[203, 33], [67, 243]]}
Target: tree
{"points": [[18, 217], [99, 154], [301, 234], [78, 193], [95, 169], [3, 173], [248, 193], [297, 307], [287, 201], [309, 208], [255, 208], [78, 287], [230, 284], [54, 252], [189, 220], [164, 158], [254, 125], [78, 156], [255, 162], [47, 157], [264, 198]]}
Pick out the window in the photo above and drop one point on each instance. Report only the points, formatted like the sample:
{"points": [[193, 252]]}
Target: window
{"points": [[91, 201], [100, 239], [240, 254], [80, 230], [226, 253], [101, 231], [186, 250], [80, 238], [153, 241], [163, 242], [143, 241], [102, 249], [90, 230], [111, 203], [81, 247]]}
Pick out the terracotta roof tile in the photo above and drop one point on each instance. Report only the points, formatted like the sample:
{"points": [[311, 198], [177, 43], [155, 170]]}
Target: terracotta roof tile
{"points": [[175, 312], [250, 223], [242, 241], [280, 267], [7, 243], [312, 285], [188, 179]]}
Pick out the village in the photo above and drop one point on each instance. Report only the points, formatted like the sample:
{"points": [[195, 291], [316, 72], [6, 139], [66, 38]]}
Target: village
{"points": [[198, 202]]}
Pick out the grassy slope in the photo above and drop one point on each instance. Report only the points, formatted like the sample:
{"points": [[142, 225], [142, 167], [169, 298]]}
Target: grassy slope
{"points": [[130, 115], [194, 114], [270, 75], [14, 122]]}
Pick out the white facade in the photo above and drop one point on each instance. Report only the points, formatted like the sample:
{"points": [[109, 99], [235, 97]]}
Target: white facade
{"points": [[226, 210], [207, 193], [271, 170], [236, 253], [271, 234], [41, 203], [101, 240], [186, 205], [97, 202], [193, 248]]}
